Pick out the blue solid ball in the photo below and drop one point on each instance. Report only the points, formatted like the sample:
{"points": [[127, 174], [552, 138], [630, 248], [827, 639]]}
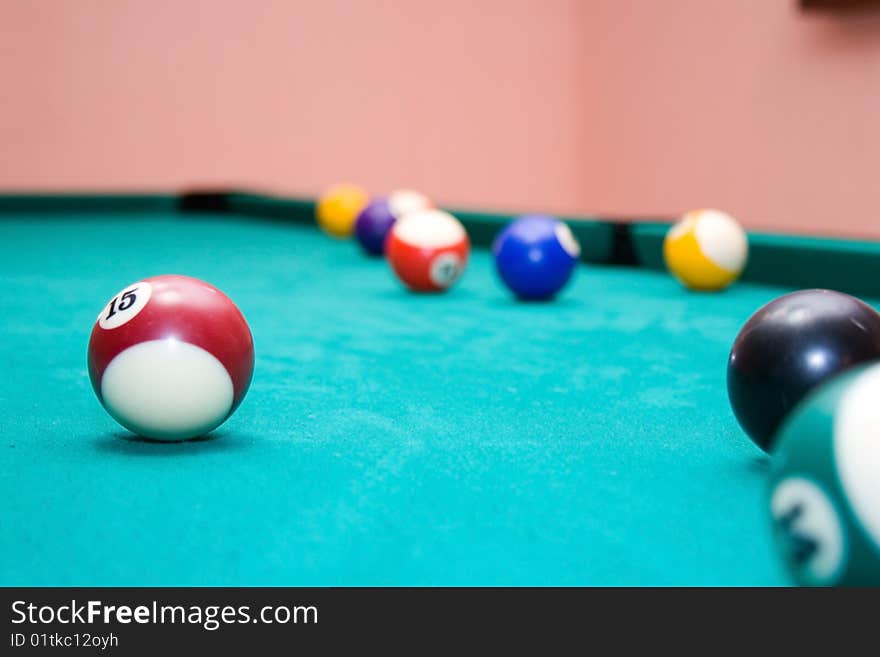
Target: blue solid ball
{"points": [[535, 256]]}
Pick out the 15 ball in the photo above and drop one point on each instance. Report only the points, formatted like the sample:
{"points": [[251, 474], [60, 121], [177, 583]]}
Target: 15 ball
{"points": [[170, 357]]}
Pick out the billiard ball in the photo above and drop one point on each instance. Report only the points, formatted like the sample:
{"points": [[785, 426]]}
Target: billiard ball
{"points": [[824, 493], [535, 256], [706, 250], [170, 357], [375, 221], [338, 208], [428, 250], [790, 346]]}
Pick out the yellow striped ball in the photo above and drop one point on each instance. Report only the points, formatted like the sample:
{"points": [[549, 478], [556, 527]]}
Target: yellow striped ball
{"points": [[706, 250]]}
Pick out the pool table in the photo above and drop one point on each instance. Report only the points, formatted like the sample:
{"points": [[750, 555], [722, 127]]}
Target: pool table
{"points": [[388, 438]]}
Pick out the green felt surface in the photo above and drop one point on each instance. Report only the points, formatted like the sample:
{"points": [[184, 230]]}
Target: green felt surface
{"points": [[387, 438]]}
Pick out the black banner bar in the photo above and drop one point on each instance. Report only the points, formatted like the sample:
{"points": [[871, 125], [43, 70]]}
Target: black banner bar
{"points": [[173, 620]]}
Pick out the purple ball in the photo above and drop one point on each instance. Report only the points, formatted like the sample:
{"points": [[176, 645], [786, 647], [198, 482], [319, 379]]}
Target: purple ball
{"points": [[373, 225]]}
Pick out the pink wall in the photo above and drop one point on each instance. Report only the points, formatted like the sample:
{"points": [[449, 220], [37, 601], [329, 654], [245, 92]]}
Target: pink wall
{"points": [[623, 107], [750, 105]]}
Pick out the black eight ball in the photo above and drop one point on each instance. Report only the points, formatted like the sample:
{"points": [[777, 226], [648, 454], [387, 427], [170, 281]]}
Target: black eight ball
{"points": [[790, 346]]}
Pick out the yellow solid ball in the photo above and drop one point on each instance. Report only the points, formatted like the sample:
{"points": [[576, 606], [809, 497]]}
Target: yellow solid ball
{"points": [[706, 250], [338, 209]]}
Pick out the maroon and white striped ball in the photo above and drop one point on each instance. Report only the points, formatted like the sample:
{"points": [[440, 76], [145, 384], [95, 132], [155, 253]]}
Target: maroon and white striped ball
{"points": [[170, 357]]}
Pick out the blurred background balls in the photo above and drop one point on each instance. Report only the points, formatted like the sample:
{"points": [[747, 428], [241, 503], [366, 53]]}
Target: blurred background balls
{"points": [[428, 250], [375, 221], [338, 208]]}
